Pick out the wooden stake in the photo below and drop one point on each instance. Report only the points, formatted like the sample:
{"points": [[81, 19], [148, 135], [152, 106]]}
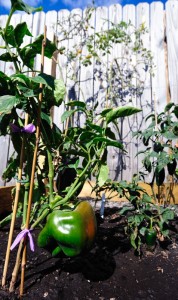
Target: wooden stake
{"points": [[16, 268], [18, 185], [24, 256]]}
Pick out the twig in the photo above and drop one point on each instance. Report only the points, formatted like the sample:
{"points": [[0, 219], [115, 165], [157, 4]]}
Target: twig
{"points": [[33, 170], [18, 185]]}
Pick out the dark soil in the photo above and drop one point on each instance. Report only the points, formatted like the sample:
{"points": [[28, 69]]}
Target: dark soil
{"points": [[110, 271]]}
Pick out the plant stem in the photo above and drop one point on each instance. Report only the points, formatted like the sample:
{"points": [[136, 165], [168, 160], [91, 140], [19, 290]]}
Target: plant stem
{"points": [[25, 204], [50, 175], [41, 218]]}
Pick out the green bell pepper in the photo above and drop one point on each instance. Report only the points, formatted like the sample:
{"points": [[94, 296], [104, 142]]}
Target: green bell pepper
{"points": [[150, 237], [69, 231]]}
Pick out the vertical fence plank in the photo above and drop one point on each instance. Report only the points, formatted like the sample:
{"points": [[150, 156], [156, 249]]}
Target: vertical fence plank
{"points": [[157, 34], [51, 24], [86, 73], [73, 85], [172, 41], [38, 28], [100, 81], [129, 161], [61, 63], [144, 101], [114, 155]]}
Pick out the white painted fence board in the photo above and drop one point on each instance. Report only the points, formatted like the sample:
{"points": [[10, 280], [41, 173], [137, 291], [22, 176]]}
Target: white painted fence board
{"points": [[38, 28], [114, 155], [73, 85], [61, 66], [129, 124], [145, 101], [172, 40], [100, 82], [51, 25], [158, 50], [86, 73]]}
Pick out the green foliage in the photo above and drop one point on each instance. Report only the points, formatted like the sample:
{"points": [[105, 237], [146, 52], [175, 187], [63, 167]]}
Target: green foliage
{"points": [[161, 151], [20, 93]]}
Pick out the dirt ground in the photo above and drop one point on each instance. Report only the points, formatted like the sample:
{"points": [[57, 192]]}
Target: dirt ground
{"points": [[109, 271]]}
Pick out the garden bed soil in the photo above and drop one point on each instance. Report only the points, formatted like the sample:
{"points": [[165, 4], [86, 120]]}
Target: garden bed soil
{"points": [[110, 271]]}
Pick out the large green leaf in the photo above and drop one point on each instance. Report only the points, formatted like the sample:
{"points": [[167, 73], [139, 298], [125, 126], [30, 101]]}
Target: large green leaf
{"points": [[29, 52], [103, 174], [20, 31], [7, 102], [20, 5], [121, 112]]}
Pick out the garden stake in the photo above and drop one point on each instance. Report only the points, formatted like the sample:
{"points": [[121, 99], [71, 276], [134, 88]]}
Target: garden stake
{"points": [[16, 267], [24, 255], [18, 185]]}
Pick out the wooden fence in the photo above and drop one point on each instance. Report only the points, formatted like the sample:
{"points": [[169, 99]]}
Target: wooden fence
{"points": [[161, 39]]}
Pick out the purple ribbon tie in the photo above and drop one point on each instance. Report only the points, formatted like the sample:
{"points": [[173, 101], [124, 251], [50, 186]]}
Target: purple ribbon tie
{"points": [[20, 236], [30, 128]]}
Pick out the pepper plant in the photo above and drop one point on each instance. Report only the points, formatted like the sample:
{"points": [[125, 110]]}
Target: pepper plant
{"points": [[84, 150], [161, 152]]}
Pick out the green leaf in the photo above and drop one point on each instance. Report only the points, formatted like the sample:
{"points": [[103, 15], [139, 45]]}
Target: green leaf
{"points": [[76, 103], [7, 57], [20, 31], [103, 174], [109, 133], [7, 103], [59, 91], [29, 52], [20, 5], [142, 230], [66, 115], [121, 112], [9, 36], [125, 209], [168, 106], [168, 215], [105, 111], [21, 78], [44, 79], [109, 142]]}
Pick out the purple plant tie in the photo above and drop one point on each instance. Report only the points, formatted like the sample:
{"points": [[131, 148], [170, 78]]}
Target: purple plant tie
{"points": [[30, 128], [20, 236]]}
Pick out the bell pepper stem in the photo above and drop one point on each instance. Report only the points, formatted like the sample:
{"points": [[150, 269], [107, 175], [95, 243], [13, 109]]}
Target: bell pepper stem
{"points": [[41, 218]]}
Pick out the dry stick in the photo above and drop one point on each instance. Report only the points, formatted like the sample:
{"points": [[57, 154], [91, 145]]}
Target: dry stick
{"points": [[18, 185], [24, 256]]}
